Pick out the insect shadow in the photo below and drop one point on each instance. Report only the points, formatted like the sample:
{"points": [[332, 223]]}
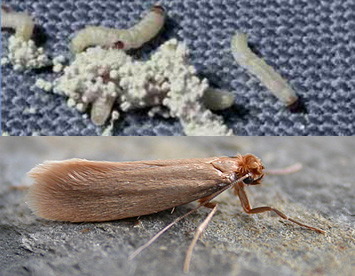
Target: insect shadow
{"points": [[298, 106], [39, 36], [235, 111]]}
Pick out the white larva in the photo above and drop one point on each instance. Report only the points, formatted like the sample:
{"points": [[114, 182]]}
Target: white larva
{"points": [[264, 72], [101, 110], [218, 99], [20, 21], [131, 38]]}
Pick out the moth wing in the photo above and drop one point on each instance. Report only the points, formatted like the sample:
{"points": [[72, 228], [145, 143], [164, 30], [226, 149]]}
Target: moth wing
{"points": [[80, 190]]}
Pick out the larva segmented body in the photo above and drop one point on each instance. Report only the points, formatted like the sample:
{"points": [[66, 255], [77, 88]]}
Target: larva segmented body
{"points": [[130, 38], [20, 21], [101, 109], [218, 99], [264, 72]]}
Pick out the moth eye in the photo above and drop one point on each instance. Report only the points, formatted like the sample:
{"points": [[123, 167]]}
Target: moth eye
{"points": [[248, 180], [118, 45]]}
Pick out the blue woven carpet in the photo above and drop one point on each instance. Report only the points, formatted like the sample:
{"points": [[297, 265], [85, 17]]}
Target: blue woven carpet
{"points": [[310, 42]]}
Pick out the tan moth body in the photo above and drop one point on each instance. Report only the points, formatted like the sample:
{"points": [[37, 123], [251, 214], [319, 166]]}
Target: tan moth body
{"points": [[259, 68], [131, 38], [80, 190]]}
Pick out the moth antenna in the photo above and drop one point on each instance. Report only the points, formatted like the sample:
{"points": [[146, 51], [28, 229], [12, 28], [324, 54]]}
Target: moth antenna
{"points": [[291, 169], [156, 236], [144, 246]]}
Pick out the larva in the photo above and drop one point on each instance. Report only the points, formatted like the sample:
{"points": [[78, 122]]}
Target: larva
{"points": [[264, 72], [20, 21], [101, 109], [218, 99], [131, 38]]}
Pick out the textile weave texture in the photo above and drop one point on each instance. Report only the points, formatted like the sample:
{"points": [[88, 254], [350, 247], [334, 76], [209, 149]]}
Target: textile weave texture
{"points": [[310, 42]]}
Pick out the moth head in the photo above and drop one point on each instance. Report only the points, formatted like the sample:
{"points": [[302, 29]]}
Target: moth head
{"points": [[251, 167]]}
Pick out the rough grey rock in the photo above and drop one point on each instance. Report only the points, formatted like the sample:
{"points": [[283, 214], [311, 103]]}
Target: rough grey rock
{"points": [[234, 243]]}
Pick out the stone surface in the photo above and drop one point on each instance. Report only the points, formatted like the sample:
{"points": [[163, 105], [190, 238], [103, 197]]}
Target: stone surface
{"points": [[234, 243]]}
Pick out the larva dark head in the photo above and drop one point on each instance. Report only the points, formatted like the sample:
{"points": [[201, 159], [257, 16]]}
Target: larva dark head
{"points": [[250, 165], [158, 9], [118, 45], [5, 9]]}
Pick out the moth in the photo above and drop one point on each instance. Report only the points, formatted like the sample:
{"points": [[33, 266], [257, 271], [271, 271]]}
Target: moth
{"points": [[78, 190]]}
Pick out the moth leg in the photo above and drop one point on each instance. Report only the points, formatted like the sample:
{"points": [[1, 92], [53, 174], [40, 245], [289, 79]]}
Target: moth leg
{"points": [[249, 210], [156, 236], [198, 233], [205, 201], [172, 210], [291, 169]]}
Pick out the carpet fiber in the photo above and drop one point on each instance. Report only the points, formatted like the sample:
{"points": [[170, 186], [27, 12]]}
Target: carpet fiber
{"points": [[311, 43]]}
